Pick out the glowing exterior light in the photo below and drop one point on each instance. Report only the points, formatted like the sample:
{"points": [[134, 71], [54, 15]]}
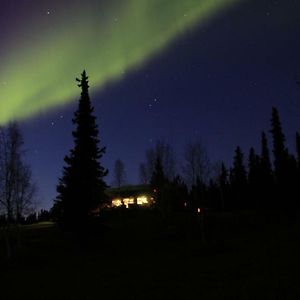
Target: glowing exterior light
{"points": [[198, 210]]}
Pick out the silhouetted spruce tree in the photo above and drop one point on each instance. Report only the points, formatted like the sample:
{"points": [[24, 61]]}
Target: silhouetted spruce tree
{"points": [[224, 186], [158, 183], [82, 185], [298, 162], [266, 178], [265, 161], [198, 195], [253, 165], [279, 150], [298, 149], [253, 177], [293, 183], [239, 180], [178, 196], [281, 161], [213, 196]]}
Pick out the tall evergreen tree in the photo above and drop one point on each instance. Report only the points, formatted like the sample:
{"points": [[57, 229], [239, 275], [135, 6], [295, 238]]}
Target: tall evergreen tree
{"points": [[253, 167], [265, 162], [285, 166], [280, 152], [198, 194], [223, 177], [239, 179], [266, 178], [298, 148], [82, 185], [282, 164], [178, 194], [158, 183], [239, 171], [298, 159], [254, 163], [293, 183], [224, 184]]}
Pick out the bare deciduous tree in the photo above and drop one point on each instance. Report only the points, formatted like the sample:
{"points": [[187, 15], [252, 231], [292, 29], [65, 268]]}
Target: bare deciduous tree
{"points": [[25, 191], [165, 154], [16, 188], [143, 174], [196, 163], [119, 173]]}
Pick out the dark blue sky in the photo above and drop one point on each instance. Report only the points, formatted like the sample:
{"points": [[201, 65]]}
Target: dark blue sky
{"points": [[216, 84]]}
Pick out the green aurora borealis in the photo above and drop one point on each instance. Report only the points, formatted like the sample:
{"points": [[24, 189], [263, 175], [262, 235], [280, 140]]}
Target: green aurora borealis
{"points": [[39, 65]]}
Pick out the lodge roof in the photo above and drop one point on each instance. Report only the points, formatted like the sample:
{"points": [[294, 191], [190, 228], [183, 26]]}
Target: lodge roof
{"points": [[129, 190]]}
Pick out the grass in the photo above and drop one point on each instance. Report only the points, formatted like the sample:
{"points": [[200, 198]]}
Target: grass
{"points": [[134, 256]]}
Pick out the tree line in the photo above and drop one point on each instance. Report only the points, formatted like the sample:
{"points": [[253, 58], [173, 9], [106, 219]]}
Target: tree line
{"points": [[264, 179], [260, 179]]}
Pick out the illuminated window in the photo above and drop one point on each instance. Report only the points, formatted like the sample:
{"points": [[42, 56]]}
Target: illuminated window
{"points": [[142, 200], [116, 202], [128, 201]]}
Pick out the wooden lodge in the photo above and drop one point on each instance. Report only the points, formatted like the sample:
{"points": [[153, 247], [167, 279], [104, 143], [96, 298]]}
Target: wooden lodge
{"points": [[131, 196]]}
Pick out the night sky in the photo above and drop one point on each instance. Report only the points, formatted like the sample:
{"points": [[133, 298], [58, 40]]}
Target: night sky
{"points": [[159, 69]]}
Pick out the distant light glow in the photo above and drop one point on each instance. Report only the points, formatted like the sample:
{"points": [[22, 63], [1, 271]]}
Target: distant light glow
{"points": [[45, 56]]}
